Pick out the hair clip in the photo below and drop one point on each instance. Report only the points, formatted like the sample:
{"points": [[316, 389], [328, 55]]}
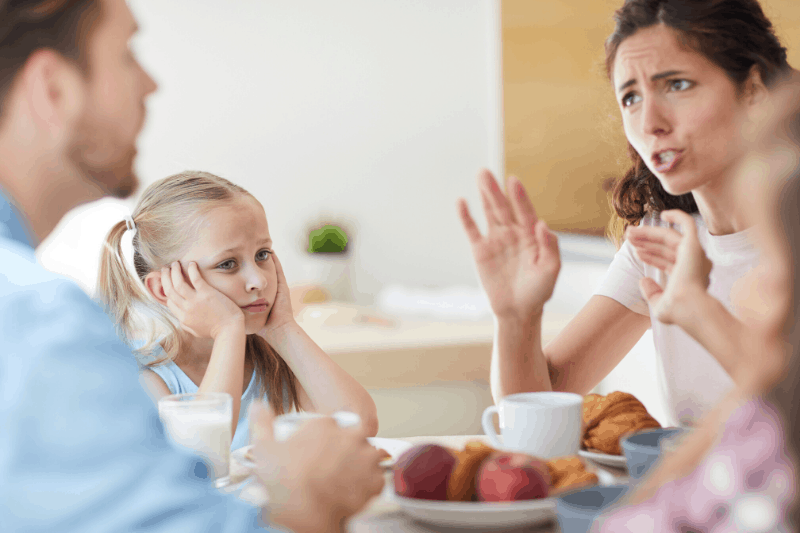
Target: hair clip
{"points": [[129, 222]]}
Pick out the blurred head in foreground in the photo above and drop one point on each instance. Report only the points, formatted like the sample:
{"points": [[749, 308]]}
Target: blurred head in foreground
{"points": [[71, 100]]}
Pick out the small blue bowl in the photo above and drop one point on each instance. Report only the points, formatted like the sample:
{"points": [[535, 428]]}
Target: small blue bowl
{"points": [[577, 510], [644, 448]]}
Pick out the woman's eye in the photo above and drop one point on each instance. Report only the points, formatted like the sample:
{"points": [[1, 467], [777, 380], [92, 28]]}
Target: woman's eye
{"points": [[680, 85], [263, 255], [227, 265], [630, 99]]}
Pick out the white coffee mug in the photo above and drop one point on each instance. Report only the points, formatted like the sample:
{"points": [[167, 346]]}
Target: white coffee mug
{"points": [[543, 424], [285, 425]]}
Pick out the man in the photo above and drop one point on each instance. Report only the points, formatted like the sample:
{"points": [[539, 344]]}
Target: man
{"points": [[82, 449]]}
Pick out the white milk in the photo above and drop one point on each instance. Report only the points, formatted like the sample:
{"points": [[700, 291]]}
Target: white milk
{"points": [[209, 434]]}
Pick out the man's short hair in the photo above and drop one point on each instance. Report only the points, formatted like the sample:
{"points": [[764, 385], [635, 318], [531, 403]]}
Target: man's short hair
{"points": [[63, 26]]}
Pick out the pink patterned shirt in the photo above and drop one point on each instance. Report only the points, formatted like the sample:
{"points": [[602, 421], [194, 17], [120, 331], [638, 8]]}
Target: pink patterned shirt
{"points": [[745, 484]]}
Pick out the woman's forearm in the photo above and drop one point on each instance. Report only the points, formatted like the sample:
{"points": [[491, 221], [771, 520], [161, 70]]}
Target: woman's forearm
{"points": [[327, 385], [518, 362], [225, 371]]}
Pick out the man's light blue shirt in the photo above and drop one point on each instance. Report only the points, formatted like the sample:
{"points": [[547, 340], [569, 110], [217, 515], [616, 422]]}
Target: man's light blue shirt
{"points": [[81, 447]]}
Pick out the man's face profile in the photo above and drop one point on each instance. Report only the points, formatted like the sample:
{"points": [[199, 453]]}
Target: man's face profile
{"points": [[104, 145]]}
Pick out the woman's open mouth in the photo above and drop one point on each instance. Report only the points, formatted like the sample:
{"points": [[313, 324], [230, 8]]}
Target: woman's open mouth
{"points": [[667, 160]]}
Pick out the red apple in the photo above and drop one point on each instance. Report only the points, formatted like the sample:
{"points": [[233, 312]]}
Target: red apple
{"points": [[423, 472], [506, 477]]}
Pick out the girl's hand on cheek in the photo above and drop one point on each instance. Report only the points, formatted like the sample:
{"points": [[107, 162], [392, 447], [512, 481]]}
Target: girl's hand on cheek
{"points": [[201, 309], [281, 313]]}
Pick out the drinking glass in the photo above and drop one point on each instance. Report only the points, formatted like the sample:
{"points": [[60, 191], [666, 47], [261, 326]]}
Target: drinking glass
{"points": [[654, 219], [202, 422]]}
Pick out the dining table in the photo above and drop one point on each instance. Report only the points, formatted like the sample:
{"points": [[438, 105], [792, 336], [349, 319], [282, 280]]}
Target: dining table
{"points": [[383, 515]]}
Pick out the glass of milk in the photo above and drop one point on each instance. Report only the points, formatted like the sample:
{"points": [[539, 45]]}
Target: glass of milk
{"points": [[201, 422]]}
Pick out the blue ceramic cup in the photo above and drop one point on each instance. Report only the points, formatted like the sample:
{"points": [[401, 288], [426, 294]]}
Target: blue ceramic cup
{"points": [[577, 510], [644, 448]]}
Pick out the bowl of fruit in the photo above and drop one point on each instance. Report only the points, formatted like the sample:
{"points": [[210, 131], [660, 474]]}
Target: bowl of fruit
{"points": [[480, 487]]}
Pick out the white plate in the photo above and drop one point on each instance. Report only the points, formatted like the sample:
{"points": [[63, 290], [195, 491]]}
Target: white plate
{"points": [[491, 515], [394, 447], [470, 515], [617, 461]]}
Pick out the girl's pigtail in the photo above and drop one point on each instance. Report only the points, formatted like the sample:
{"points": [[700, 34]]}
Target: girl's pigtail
{"points": [[117, 289]]}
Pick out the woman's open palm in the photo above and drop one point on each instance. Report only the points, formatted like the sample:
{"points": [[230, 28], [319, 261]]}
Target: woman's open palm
{"points": [[518, 259]]}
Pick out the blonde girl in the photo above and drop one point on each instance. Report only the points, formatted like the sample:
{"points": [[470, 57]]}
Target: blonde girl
{"points": [[209, 305]]}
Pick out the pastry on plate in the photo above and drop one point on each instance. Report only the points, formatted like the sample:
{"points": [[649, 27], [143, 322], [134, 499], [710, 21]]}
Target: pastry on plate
{"points": [[609, 418], [461, 486], [568, 473]]}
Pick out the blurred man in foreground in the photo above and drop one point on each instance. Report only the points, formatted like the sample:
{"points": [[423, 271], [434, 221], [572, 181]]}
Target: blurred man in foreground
{"points": [[82, 448]]}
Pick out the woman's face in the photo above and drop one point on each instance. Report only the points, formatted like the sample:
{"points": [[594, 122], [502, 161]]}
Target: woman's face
{"points": [[680, 111], [234, 254]]}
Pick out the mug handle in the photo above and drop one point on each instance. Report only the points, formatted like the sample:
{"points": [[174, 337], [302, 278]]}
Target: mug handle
{"points": [[488, 426]]}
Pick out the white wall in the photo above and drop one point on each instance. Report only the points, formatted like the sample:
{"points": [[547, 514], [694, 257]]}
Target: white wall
{"points": [[378, 112]]}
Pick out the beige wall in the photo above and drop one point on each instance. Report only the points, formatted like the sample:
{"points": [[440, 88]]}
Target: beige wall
{"points": [[563, 136]]}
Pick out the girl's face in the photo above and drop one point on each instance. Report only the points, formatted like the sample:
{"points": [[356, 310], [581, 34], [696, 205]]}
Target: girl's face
{"points": [[234, 254], [680, 111]]}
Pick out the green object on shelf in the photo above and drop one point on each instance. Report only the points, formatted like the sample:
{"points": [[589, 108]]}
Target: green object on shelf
{"points": [[328, 239]]}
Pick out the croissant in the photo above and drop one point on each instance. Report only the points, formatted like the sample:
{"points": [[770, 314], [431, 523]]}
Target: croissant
{"points": [[569, 473], [608, 418]]}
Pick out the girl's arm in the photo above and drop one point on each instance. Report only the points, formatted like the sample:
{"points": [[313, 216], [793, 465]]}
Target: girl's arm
{"points": [[324, 386], [204, 312], [153, 385], [518, 263], [225, 371]]}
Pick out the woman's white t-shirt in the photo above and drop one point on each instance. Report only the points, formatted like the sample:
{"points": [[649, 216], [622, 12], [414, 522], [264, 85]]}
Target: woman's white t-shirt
{"points": [[691, 378]]}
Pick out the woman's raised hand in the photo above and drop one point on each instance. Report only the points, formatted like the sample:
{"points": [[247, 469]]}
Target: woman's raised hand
{"points": [[518, 259], [201, 309], [680, 256]]}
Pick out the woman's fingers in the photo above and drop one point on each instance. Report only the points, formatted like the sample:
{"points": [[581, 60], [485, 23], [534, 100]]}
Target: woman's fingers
{"points": [[656, 261], [651, 291], [547, 242], [654, 235], [496, 199], [521, 203], [488, 209], [665, 252], [473, 233], [683, 219]]}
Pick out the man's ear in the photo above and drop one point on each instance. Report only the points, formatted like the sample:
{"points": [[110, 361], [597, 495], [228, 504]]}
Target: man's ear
{"points": [[55, 92], [153, 284]]}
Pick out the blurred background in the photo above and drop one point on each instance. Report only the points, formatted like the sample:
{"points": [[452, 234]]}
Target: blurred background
{"points": [[375, 117]]}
